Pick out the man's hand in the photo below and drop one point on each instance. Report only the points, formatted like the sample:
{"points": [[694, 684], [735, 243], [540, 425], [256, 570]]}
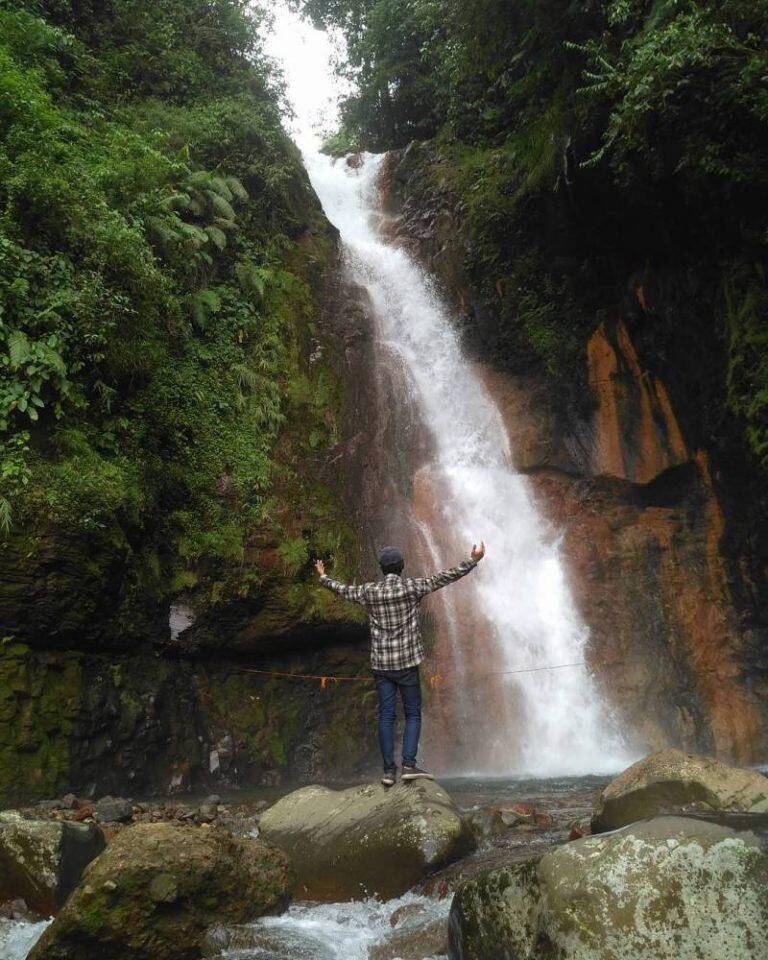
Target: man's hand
{"points": [[478, 552], [320, 566]]}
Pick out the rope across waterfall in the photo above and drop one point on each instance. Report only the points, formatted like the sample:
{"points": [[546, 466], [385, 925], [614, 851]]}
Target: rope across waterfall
{"points": [[433, 680]]}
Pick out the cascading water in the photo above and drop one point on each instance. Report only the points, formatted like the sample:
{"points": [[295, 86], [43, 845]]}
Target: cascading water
{"points": [[516, 608]]}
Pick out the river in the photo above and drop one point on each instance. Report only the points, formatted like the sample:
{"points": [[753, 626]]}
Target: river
{"points": [[411, 927]]}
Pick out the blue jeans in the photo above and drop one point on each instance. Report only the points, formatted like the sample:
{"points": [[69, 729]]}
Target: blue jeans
{"points": [[387, 684]]}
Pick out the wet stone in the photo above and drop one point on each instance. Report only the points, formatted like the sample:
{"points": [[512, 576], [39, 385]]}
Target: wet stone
{"points": [[367, 840], [114, 810], [208, 812], [666, 888]]}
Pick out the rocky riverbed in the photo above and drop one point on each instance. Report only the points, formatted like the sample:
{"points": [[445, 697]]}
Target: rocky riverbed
{"points": [[521, 831], [512, 818]]}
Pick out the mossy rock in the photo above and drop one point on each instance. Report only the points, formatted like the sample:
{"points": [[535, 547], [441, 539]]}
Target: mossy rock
{"points": [[40, 696], [667, 889], [670, 781], [158, 888], [41, 861], [44, 565], [366, 841]]}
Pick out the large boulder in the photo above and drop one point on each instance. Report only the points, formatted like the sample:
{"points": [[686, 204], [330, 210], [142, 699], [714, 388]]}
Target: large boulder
{"points": [[665, 889], [672, 782], [157, 889], [367, 840], [41, 861]]}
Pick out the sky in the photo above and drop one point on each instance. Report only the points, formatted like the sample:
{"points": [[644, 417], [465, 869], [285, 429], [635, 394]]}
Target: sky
{"points": [[306, 55]]}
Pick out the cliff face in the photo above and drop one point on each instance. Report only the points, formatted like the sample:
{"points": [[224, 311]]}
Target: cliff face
{"points": [[180, 369], [662, 561], [88, 705], [115, 678]]}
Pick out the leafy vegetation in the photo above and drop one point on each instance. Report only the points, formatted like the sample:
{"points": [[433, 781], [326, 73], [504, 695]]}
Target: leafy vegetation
{"points": [[154, 301], [587, 145]]}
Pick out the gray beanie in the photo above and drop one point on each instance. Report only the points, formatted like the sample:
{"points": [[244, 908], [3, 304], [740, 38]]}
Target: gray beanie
{"points": [[390, 557]]}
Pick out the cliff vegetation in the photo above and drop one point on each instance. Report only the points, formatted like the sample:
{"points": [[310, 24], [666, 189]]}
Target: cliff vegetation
{"points": [[167, 401], [602, 155]]}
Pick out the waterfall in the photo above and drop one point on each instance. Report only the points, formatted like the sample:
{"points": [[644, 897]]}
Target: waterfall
{"points": [[515, 611]]}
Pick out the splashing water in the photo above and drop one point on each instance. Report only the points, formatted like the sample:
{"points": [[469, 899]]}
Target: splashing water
{"points": [[18, 937], [342, 931], [517, 604]]}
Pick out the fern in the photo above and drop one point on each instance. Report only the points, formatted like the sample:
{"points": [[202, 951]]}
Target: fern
{"points": [[238, 190], [221, 206], [18, 348], [252, 278], [219, 187], [6, 515], [203, 305], [217, 237]]}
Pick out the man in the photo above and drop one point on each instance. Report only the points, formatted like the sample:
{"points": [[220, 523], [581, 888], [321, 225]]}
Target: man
{"points": [[396, 648]]}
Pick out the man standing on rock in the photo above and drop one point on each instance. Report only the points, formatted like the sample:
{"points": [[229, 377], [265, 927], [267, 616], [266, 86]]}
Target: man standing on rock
{"points": [[396, 648]]}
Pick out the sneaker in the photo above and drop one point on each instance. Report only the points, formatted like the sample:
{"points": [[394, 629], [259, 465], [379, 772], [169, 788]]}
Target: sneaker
{"points": [[389, 777], [414, 773]]}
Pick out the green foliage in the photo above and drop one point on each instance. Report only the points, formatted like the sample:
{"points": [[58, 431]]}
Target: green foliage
{"points": [[674, 76], [341, 143], [149, 321], [745, 312], [580, 143], [475, 67]]}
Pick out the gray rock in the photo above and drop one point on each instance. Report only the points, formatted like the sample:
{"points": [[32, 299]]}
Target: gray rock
{"points": [[16, 910], [69, 802], [207, 812], [41, 861], [114, 810], [367, 840], [157, 889], [665, 889], [214, 799], [672, 782]]}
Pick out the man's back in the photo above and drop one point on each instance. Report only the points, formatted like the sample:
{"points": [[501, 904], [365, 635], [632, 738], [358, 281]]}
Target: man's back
{"points": [[393, 612]]}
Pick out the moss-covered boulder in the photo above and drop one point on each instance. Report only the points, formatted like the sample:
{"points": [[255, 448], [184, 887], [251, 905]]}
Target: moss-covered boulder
{"points": [[41, 861], [155, 891], [666, 889], [367, 840], [670, 782]]}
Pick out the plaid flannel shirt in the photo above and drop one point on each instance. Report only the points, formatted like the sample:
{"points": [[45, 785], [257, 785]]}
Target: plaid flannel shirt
{"points": [[393, 612]]}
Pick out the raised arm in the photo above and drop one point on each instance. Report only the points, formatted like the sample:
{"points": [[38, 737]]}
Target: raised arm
{"points": [[425, 585], [349, 591]]}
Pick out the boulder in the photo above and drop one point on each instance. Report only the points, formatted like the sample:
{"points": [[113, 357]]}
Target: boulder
{"points": [[114, 810], [41, 861], [672, 782], [156, 890], [207, 812], [670, 888], [367, 840]]}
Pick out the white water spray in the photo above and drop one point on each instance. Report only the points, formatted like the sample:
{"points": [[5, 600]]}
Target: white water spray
{"points": [[520, 590], [548, 722]]}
